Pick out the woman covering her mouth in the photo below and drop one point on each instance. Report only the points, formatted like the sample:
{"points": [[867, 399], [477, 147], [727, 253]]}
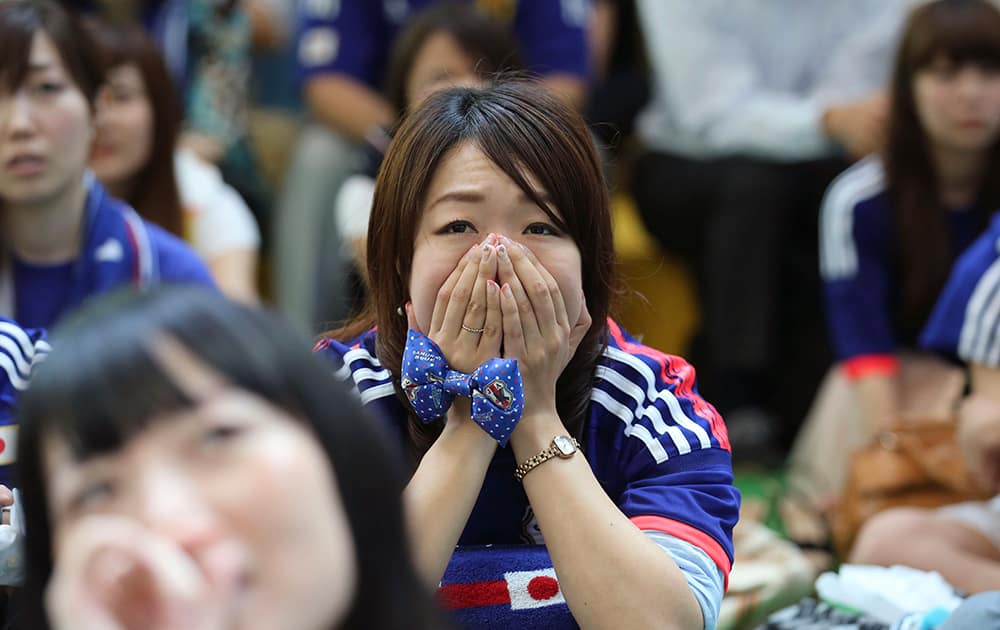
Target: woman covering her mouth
{"points": [[186, 464]]}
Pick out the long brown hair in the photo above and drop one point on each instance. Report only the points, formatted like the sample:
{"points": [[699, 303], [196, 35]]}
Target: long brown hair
{"points": [[963, 32], [522, 130], [153, 191]]}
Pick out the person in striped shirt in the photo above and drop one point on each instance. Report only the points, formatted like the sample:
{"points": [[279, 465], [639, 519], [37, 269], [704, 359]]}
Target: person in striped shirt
{"points": [[490, 233], [20, 351], [891, 227], [893, 224], [962, 542]]}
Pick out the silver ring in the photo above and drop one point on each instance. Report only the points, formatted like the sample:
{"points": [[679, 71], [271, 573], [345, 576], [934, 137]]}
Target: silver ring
{"points": [[472, 330]]}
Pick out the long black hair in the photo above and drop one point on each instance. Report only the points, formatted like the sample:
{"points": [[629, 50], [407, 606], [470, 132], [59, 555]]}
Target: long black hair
{"points": [[962, 32], [101, 385]]}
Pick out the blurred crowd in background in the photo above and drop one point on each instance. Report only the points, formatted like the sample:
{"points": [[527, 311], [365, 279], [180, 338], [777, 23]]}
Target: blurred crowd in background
{"points": [[791, 184]]}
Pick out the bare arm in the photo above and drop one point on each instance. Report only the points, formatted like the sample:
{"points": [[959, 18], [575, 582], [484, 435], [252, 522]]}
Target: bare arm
{"points": [[236, 274], [612, 575], [347, 105], [601, 36], [879, 395], [985, 382], [569, 88], [858, 126], [444, 489], [979, 427], [268, 32], [205, 146]]}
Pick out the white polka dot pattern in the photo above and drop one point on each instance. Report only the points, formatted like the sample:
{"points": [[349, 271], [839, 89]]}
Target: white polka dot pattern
{"points": [[495, 387]]}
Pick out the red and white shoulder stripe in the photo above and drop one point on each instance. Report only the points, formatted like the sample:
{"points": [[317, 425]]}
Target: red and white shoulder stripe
{"points": [[19, 353], [357, 363], [144, 271], [654, 396]]}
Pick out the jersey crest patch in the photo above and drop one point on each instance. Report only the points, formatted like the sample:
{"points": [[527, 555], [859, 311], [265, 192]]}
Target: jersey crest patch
{"points": [[499, 394]]}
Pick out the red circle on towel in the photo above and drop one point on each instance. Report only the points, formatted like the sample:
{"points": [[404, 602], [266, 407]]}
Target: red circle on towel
{"points": [[3, 445], [543, 587]]}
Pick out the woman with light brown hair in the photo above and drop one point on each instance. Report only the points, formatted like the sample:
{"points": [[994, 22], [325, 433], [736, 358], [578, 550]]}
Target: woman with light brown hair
{"points": [[891, 228], [487, 346], [136, 155]]}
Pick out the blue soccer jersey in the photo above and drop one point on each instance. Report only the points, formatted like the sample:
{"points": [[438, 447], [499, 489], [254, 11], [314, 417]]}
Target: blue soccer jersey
{"points": [[858, 266], [20, 351], [354, 37], [118, 249], [965, 322], [658, 449]]}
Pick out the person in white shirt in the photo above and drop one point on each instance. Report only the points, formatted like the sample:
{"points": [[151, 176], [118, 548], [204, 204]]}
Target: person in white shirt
{"points": [[136, 155], [755, 107]]}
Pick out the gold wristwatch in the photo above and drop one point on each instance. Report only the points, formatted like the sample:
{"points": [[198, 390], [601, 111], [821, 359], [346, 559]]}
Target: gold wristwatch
{"points": [[563, 446]]}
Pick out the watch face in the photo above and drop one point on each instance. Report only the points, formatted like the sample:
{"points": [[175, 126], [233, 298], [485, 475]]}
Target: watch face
{"points": [[565, 445]]}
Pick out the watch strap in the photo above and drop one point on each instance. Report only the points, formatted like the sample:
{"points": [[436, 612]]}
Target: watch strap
{"points": [[545, 455]]}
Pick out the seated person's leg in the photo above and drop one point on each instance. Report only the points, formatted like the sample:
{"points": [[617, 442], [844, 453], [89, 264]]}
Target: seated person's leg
{"points": [[727, 218], [743, 257], [931, 541]]}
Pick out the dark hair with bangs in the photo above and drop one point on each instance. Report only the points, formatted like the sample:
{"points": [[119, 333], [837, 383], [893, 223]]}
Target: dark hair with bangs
{"points": [[21, 20], [101, 385], [523, 130], [492, 47], [152, 190], [961, 32]]}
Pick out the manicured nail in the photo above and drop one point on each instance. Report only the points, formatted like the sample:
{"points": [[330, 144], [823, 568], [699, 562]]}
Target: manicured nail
{"points": [[502, 251], [486, 252]]}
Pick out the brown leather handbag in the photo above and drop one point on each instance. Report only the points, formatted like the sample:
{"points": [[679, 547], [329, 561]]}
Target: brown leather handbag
{"points": [[917, 464]]}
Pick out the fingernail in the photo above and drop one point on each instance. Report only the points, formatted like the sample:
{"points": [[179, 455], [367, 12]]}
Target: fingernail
{"points": [[506, 290], [492, 287], [486, 252], [502, 251]]}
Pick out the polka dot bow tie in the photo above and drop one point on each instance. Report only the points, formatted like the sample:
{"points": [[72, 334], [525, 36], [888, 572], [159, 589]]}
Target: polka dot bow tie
{"points": [[495, 387]]}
